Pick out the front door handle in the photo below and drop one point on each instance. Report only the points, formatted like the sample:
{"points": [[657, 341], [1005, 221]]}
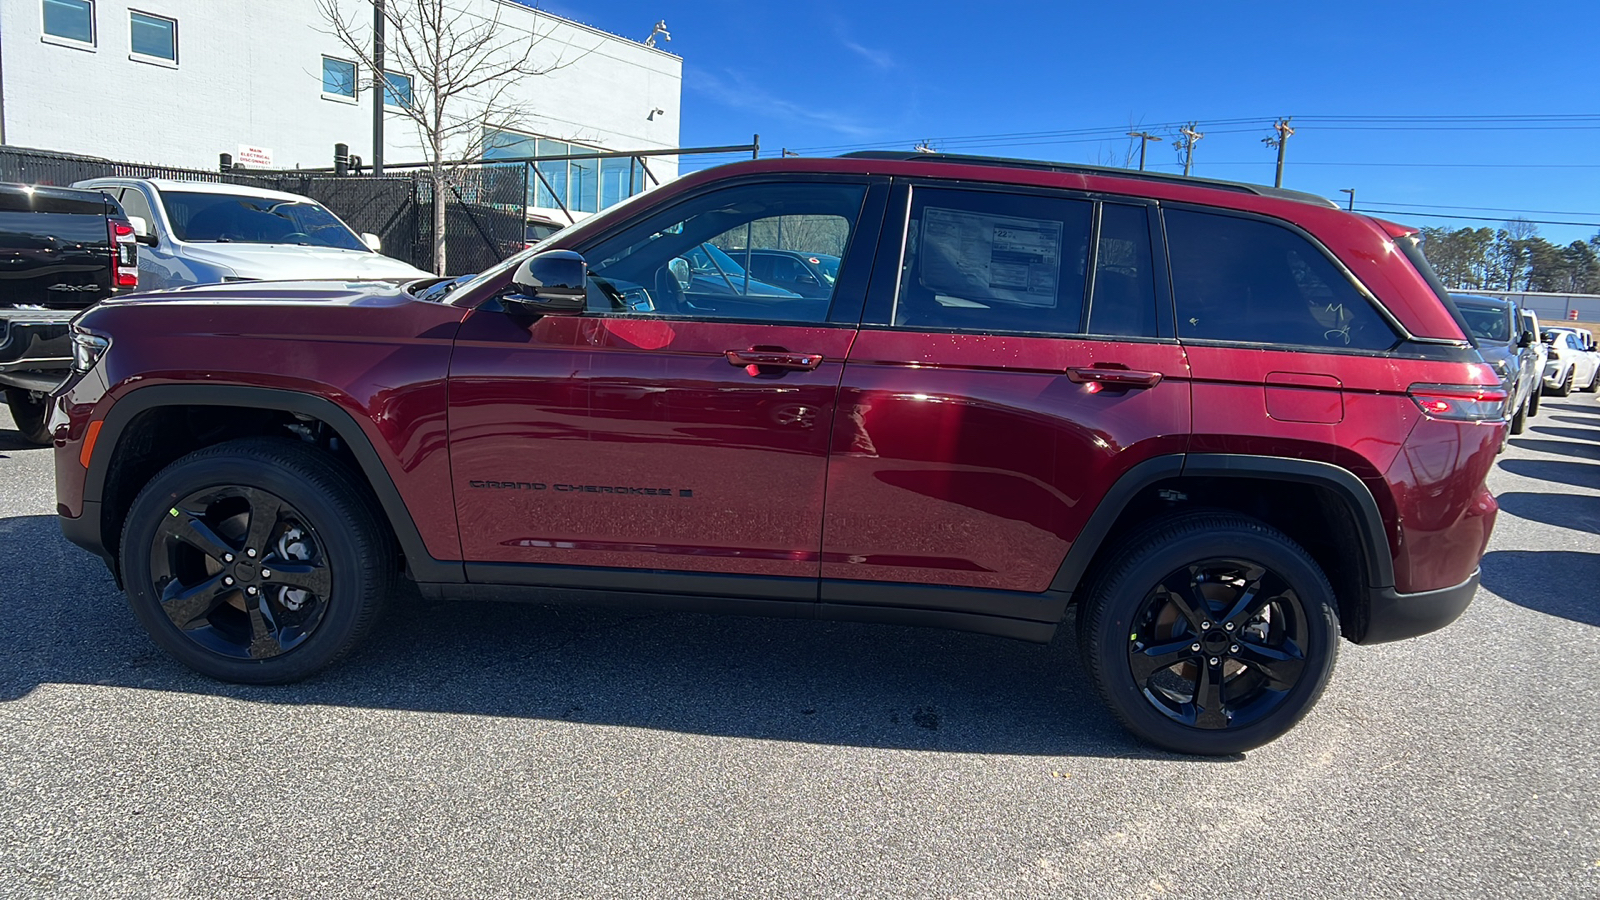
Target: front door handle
{"points": [[1116, 377], [755, 359]]}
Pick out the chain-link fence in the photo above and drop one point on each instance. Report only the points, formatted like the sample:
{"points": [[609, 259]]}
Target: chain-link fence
{"points": [[486, 203]]}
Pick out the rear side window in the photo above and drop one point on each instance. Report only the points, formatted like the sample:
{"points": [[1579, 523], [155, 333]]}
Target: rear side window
{"points": [[981, 261], [1124, 300], [1238, 279]]}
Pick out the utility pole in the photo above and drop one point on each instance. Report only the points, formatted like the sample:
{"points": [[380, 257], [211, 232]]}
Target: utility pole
{"points": [[1352, 193], [1281, 142], [380, 84], [1190, 138], [1145, 138]]}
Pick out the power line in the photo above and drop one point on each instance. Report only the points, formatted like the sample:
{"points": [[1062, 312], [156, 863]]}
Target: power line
{"points": [[1551, 212], [1394, 212]]}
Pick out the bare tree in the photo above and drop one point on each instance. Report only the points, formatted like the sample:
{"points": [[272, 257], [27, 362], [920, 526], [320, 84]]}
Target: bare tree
{"points": [[463, 66]]}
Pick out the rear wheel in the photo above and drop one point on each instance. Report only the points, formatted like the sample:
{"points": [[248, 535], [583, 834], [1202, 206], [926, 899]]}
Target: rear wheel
{"points": [[1565, 387], [1209, 633], [31, 412], [1594, 381], [256, 561]]}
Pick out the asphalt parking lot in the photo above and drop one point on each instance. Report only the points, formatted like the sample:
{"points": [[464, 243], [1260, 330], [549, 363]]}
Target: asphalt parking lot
{"points": [[510, 751]]}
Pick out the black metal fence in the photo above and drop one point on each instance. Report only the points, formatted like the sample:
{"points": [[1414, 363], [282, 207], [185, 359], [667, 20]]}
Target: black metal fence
{"points": [[486, 203]]}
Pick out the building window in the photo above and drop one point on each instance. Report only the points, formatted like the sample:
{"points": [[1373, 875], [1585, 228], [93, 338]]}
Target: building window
{"points": [[153, 36], [338, 78], [397, 90], [70, 19]]}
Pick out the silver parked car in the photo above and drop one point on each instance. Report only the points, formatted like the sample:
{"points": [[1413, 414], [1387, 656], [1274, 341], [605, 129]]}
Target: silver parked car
{"points": [[200, 233]]}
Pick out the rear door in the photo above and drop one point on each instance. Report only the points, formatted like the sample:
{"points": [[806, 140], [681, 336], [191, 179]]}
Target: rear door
{"points": [[679, 426], [1014, 361]]}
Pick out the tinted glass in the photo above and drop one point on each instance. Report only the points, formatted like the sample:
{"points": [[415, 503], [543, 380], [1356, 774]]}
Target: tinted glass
{"points": [[1124, 301], [1237, 279], [691, 260], [72, 19], [584, 194], [1486, 322], [397, 90], [154, 36], [614, 185], [338, 77], [254, 220], [134, 204], [554, 172], [994, 262]]}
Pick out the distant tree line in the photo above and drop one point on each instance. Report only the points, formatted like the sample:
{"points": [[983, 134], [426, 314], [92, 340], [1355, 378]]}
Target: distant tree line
{"points": [[1512, 258]]}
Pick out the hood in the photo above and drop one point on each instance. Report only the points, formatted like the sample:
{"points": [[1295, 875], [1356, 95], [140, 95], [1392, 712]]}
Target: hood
{"points": [[344, 293], [292, 261]]}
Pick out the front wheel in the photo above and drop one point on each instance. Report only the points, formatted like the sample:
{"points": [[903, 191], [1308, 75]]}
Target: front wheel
{"points": [[1519, 419], [1533, 401], [256, 561], [1209, 633], [31, 412]]}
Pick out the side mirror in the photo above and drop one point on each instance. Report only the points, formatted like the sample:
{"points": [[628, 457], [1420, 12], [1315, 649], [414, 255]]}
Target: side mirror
{"points": [[1526, 340], [373, 242], [551, 283], [681, 271], [141, 231]]}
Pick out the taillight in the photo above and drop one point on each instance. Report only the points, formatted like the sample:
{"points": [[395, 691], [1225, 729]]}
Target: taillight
{"points": [[124, 255], [1459, 402]]}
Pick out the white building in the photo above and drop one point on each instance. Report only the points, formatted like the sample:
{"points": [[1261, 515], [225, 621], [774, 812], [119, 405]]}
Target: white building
{"points": [[178, 82]]}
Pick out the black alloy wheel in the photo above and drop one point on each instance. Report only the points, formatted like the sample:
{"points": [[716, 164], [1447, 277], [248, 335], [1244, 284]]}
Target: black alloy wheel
{"points": [[259, 560], [240, 572], [1209, 633]]}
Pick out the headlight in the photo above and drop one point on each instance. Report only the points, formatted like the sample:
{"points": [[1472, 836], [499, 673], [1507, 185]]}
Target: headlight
{"points": [[87, 349]]}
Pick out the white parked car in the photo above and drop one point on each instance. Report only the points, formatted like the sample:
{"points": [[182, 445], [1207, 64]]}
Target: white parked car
{"points": [[195, 232], [1570, 364]]}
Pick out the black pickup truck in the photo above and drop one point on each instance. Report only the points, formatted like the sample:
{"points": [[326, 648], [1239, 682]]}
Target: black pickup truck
{"points": [[61, 251]]}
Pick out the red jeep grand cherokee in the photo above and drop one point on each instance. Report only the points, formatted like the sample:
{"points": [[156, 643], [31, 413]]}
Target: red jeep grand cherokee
{"points": [[1228, 423]]}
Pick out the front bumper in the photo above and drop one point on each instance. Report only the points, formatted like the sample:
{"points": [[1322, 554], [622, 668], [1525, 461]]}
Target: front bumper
{"points": [[1393, 616]]}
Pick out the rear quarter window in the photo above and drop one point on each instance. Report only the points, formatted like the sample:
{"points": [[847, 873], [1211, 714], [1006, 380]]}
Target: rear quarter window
{"points": [[1246, 280]]}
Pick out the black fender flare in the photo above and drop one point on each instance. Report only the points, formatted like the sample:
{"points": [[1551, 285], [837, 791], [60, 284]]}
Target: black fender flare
{"points": [[1379, 563], [423, 566]]}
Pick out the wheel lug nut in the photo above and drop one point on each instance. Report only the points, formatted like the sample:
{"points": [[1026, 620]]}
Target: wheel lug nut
{"points": [[250, 553], [1205, 626], [1195, 648], [266, 573], [252, 592], [1214, 660], [227, 580], [227, 557], [1228, 626], [1234, 649]]}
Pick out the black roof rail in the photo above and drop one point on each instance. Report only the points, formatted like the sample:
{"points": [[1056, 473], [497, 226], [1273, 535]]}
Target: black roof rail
{"points": [[1081, 169]]}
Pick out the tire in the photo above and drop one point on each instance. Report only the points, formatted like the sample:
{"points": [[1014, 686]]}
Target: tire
{"points": [[1519, 419], [1594, 382], [1533, 400], [1566, 384], [323, 567], [1275, 662], [32, 416]]}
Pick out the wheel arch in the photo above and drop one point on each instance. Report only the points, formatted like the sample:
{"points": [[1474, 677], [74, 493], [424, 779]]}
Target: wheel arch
{"points": [[133, 407], [1325, 507]]}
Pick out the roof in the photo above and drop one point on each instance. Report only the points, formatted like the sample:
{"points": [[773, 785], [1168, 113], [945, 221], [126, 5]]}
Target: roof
{"points": [[207, 187], [1480, 301]]}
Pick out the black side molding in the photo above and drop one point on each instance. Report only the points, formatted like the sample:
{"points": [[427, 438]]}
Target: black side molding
{"points": [[1395, 617], [1105, 515], [423, 565]]}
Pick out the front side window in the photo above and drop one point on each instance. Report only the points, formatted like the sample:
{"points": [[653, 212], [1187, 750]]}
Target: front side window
{"points": [[228, 218], [980, 261], [70, 19], [697, 258], [153, 36], [1246, 280], [338, 77], [397, 90]]}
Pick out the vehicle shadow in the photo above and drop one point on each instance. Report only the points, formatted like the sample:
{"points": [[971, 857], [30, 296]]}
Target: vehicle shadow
{"points": [[63, 621], [1577, 474], [1574, 511], [1576, 420], [1523, 577], [1579, 434], [13, 440], [1580, 449]]}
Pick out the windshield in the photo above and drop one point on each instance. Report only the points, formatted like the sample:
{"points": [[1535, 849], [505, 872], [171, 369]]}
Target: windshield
{"points": [[1487, 324], [229, 218]]}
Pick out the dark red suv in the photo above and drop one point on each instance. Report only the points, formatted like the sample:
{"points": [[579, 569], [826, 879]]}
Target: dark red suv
{"points": [[1228, 424]]}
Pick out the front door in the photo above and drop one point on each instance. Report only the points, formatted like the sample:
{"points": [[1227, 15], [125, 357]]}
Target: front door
{"points": [[681, 424]]}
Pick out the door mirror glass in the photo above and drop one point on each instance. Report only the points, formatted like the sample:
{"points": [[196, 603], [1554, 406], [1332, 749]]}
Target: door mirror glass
{"points": [[373, 242], [549, 283], [681, 271]]}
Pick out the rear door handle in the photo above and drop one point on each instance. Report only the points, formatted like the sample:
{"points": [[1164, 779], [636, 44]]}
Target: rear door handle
{"points": [[1117, 377], [774, 359]]}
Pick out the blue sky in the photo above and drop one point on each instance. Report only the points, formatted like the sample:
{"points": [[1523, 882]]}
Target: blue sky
{"points": [[1464, 108]]}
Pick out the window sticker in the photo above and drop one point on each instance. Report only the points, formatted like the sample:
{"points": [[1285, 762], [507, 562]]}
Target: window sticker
{"points": [[977, 255]]}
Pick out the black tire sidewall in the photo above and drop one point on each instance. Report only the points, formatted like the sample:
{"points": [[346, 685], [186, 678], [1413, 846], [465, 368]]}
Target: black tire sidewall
{"points": [[1103, 634], [337, 527], [32, 417]]}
